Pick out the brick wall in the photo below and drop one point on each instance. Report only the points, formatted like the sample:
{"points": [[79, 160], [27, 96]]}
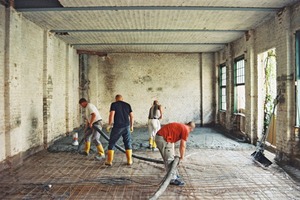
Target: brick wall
{"points": [[13, 86], [276, 33], [73, 90], [173, 79], [285, 120], [31, 84], [2, 71], [208, 91], [40, 81], [39, 75], [61, 88]]}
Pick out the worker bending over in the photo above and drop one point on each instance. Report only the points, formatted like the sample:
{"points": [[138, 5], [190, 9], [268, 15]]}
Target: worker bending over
{"points": [[166, 138]]}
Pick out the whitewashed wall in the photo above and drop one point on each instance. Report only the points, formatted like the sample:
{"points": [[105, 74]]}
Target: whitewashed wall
{"points": [[38, 90], [173, 79]]}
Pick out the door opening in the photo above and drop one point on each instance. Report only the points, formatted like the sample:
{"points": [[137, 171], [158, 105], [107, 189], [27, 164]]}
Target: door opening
{"points": [[267, 94]]}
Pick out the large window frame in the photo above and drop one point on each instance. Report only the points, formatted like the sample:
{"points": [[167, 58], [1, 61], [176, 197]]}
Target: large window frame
{"points": [[222, 87], [239, 85]]}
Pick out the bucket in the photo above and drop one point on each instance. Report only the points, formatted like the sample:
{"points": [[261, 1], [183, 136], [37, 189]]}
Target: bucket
{"points": [[75, 139]]}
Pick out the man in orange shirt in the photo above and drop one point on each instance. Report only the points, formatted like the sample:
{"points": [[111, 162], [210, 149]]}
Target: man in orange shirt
{"points": [[165, 140]]}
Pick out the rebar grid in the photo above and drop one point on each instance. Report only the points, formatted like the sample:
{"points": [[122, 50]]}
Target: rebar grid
{"points": [[208, 174]]}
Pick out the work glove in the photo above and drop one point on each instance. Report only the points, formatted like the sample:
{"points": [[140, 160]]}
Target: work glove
{"points": [[131, 129], [108, 128]]}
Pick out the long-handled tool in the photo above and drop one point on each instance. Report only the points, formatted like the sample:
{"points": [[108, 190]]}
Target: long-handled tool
{"points": [[258, 155]]}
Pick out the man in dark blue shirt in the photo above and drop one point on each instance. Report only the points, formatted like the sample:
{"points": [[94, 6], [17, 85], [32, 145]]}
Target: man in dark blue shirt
{"points": [[121, 116]]}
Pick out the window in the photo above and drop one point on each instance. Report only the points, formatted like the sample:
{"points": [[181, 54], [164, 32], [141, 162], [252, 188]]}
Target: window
{"points": [[297, 78], [239, 80], [222, 85]]}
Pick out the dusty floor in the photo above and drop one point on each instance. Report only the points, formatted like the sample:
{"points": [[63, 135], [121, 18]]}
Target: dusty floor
{"points": [[216, 167]]}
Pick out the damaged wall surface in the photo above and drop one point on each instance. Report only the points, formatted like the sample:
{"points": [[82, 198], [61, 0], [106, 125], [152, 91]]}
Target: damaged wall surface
{"points": [[39, 72], [277, 33], [173, 79], [2, 103], [40, 80]]}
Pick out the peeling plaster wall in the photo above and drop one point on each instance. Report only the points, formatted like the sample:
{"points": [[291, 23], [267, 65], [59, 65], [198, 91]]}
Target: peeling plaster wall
{"points": [[40, 81], [295, 26], [173, 79], [285, 54], [31, 87], [208, 98], [72, 88], [58, 78], [2, 71], [276, 33], [61, 88]]}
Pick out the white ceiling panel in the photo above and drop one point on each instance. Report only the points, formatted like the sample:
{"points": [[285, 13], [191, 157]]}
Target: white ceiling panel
{"points": [[230, 3], [152, 25]]}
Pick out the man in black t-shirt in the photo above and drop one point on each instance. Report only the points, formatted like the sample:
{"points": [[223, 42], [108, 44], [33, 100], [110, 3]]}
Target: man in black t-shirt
{"points": [[121, 116]]}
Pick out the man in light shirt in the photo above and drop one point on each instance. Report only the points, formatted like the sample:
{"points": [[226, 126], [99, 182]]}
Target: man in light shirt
{"points": [[93, 118]]}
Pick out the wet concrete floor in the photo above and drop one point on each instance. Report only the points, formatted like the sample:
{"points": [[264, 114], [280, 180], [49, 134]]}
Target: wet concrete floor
{"points": [[215, 167]]}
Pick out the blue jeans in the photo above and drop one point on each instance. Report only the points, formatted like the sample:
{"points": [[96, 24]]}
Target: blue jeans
{"points": [[115, 135]]}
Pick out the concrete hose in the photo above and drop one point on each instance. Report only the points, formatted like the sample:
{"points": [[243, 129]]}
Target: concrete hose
{"points": [[167, 179], [123, 150]]}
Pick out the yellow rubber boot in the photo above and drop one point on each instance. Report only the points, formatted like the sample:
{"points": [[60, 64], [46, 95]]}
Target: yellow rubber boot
{"points": [[150, 142], [100, 155], [87, 147], [110, 157], [100, 150], [154, 144], [129, 156]]}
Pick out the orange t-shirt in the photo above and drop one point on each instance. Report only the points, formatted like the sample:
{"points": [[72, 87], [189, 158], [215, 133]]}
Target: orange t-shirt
{"points": [[174, 132]]}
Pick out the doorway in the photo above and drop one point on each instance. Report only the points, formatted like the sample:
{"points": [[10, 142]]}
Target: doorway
{"points": [[267, 92]]}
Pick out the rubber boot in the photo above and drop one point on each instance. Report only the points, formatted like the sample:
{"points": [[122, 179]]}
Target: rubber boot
{"points": [[129, 156], [100, 150], [87, 148], [100, 155], [154, 145], [150, 143], [110, 157]]}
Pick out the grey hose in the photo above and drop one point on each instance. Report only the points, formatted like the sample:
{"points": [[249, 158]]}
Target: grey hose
{"points": [[167, 179], [123, 150]]}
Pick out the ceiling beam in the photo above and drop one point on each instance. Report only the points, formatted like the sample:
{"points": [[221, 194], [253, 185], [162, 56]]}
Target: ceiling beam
{"points": [[123, 44], [28, 4], [92, 53], [143, 30], [119, 8]]}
